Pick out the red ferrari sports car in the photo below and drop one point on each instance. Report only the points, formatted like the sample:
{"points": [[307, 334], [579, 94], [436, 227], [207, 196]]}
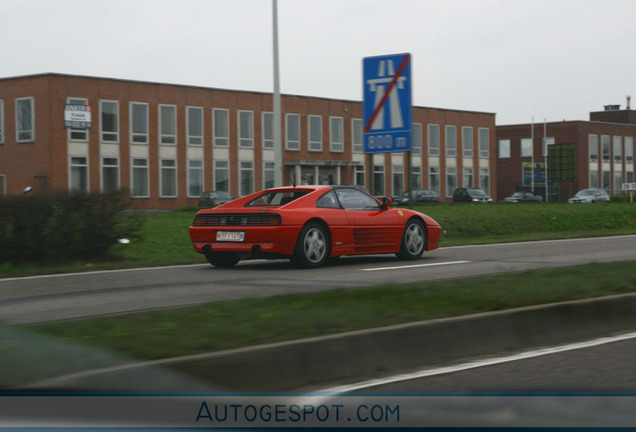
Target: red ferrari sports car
{"points": [[309, 225]]}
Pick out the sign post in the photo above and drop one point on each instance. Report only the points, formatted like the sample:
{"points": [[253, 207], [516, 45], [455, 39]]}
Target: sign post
{"points": [[631, 187]]}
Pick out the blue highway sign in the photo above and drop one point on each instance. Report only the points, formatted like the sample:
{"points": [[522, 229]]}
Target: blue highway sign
{"points": [[387, 103]]}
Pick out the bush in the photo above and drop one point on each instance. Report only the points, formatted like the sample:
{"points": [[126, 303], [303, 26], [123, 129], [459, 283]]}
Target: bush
{"points": [[63, 227]]}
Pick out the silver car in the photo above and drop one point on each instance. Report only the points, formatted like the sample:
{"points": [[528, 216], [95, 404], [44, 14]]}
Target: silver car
{"points": [[590, 196]]}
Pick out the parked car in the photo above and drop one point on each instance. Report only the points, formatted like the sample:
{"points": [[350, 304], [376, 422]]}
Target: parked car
{"points": [[523, 197], [590, 196], [471, 195], [214, 198], [420, 195], [309, 225]]}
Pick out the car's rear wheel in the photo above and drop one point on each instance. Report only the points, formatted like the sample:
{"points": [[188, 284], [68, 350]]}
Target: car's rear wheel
{"points": [[223, 259], [312, 247], [413, 240]]}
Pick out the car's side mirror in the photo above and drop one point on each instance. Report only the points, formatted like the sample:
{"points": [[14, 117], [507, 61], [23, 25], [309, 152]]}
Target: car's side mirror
{"points": [[386, 202]]}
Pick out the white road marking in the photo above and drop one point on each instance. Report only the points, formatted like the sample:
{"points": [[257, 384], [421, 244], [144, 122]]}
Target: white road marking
{"points": [[480, 363], [415, 266]]}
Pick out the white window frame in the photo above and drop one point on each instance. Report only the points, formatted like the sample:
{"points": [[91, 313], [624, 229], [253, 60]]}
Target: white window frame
{"points": [[617, 148], [484, 179], [269, 174], [83, 165], [245, 120], [504, 148], [31, 131], [468, 148], [629, 149], [138, 137], [336, 134], [314, 133], [243, 167], [167, 138], [146, 169], [451, 151], [102, 132], [468, 177], [76, 135], [526, 148], [292, 143], [163, 168], [104, 166], [451, 172], [191, 170], [416, 138], [483, 142], [357, 136], [219, 140], [432, 140], [192, 139], [218, 167], [593, 147], [267, 129], [398, 174]]}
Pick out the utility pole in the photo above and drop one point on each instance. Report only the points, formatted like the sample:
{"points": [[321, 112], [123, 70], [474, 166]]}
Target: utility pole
{"points": [[278, 145]]}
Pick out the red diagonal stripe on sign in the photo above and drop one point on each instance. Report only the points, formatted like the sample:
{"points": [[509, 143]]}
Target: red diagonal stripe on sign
{"points": [[405, 61]]}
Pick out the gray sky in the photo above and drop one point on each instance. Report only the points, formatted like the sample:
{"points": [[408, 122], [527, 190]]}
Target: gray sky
{"points": [[547, 59]]}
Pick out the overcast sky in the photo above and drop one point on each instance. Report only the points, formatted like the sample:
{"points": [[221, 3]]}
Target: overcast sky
{"points": [[547, 59]]}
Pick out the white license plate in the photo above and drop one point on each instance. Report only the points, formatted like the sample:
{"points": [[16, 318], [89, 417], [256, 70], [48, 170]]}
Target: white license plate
{"points": [[237, 236]]}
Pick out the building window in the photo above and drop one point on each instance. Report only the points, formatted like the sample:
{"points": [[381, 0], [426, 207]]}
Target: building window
{"points": [[467, 141], [416, 178], [246, 177], [109, 121], [140, 178], [451, 180], [222, 175], [451, 141], [618, 182], [484, 179], [168, 178], [378, 180], [433, 140], [79, 174], [484, 143], [356, 136], [336, 134], [504, 148], [269, 171], [246, 129], [268, 130], [315, 133], [194, 126], [606, 180], [416, 138], [398, 180], [1, 122], [195, 178], [3, 185], [292, 132], [110, 174], [605, 148], [138, 123], [593, 178], [526, 147], [618, 148], [167, 124], [24, 119], [629, 149], [468, 178], [433, 178], [77, 134], [592, 140], [221, 127], [359, 174], [547, 142]]}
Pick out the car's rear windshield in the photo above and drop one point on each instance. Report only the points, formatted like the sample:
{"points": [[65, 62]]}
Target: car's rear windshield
{"points": [[279, 198], [477, 192]]}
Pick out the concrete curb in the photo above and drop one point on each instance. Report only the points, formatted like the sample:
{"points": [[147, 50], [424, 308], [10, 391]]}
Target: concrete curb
{"points": [[349, 357]]}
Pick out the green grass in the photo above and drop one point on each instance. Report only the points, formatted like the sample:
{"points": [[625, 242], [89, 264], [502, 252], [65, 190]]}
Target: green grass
{"points": [[232, 324]]}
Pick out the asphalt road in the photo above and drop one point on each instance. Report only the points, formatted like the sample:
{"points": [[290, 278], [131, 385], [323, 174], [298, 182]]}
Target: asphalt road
{"points": [[59, 297]]}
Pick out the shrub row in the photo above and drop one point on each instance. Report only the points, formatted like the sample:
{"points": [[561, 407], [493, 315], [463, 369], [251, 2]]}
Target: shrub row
{"points": [[65, 226]]}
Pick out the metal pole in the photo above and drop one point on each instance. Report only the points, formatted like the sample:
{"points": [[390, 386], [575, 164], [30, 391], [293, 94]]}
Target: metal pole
{"points": [[278, 146], [545, 154], [532, 156]]}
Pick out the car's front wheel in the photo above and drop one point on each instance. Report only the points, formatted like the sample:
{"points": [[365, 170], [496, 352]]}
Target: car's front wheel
{"points": [[413, 240], [312, 247], [223, 259]]}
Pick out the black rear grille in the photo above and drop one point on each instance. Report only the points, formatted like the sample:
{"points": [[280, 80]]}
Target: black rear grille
{"points": [[237, 219]]}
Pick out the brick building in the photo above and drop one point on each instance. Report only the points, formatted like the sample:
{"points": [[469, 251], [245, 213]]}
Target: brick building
{"points": [[598, 153], [168, 143]]}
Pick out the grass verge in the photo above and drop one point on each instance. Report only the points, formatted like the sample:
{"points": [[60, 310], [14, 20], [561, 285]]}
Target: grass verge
{"points": [[233, 324]]}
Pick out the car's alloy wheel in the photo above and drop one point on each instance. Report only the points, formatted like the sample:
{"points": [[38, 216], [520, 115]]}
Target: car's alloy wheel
{"points": [[223, 259], [312, 247], [413, 240]]}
